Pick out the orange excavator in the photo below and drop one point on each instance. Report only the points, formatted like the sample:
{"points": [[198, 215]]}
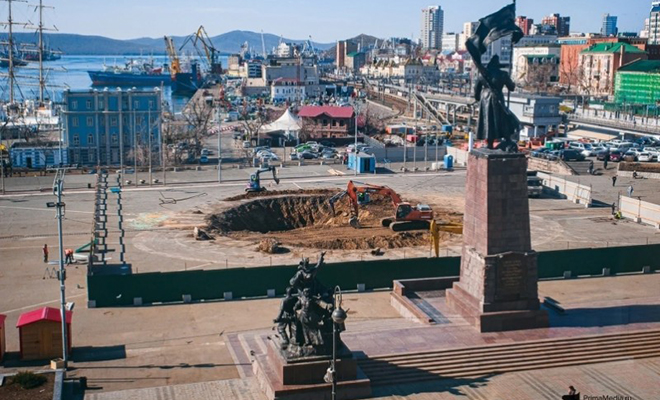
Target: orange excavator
{"points": [[406, 217]]}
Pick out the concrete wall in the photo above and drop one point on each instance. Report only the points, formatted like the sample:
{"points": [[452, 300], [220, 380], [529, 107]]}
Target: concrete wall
{"points": [[105, 290], [575, 192], [552, 167], [640, 211], [460, 156]]}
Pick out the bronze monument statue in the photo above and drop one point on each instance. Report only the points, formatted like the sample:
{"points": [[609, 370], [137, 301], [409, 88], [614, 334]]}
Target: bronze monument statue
{"points": [[304, 323], [496, 121]]}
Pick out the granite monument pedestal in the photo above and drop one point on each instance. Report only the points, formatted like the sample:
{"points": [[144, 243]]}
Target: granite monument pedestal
{"points": [[303, 379], [498, 286]]}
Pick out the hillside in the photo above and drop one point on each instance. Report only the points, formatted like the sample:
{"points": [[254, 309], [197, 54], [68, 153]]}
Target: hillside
{"points": [[73, 44]]}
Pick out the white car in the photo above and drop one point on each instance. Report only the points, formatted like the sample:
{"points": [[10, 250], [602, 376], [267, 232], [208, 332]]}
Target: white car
{"points": [[654, 151], [644, 157]]}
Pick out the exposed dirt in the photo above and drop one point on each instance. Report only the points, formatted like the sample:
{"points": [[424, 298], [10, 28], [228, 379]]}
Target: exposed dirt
{"points": [[15, 392], [305, 219]]}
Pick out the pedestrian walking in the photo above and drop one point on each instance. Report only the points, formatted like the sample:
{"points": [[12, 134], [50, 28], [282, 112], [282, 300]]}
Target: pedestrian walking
{"points": [[614, 181], [591, 167], [613, 208], [45, 250], [630, 191], [605, 160]]}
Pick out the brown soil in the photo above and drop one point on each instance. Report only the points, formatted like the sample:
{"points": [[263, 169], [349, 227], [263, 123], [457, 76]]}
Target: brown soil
{"points": [[305, 219], [15, 392]]}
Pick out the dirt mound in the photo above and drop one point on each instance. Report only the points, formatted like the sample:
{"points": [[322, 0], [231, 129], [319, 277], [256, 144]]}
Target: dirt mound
{"points": [[308, 221], [273, 193]]}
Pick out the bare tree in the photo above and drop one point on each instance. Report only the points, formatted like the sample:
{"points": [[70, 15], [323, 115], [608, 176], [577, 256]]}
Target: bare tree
{"points": [[198, 115], [308, 130], [539, 77]]}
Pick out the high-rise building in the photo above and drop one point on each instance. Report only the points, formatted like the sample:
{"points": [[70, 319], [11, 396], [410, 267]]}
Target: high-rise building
{"points": [[609, 25], [450, 41], [561, 24], [344, 47], [525, 24], [654, 23], [432, 26], [468, 30], [644, 33]]}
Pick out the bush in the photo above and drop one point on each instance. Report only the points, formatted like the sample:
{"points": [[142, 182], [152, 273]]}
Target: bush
{"points": [[28, 380]]}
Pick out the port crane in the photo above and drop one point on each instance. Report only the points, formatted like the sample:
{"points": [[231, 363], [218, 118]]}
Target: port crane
{"points": [[207, 51], [175, 64]]}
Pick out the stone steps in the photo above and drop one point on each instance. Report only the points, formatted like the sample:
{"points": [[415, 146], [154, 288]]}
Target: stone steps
{"points": [[483, 360]]}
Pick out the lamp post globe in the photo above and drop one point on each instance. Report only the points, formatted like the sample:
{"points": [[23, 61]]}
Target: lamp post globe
{"points": [[339, 315]]}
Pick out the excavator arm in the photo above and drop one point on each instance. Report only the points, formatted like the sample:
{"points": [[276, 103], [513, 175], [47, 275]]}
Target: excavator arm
{"points": [[268, 169], [353, 192]]}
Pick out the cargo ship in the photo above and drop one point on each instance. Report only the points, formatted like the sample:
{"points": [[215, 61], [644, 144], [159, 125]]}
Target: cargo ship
{"points": [[134, 73]]}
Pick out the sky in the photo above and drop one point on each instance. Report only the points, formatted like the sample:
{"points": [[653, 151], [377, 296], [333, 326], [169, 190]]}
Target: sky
{"points": [[325, 21]]}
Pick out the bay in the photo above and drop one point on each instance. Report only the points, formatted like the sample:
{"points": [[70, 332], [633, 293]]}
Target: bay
{"points": [[70, 72]]}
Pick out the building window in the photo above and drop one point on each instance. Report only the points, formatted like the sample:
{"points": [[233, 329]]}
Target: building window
{"points": [[151, 104], [90, 139], [90, 121], [113, 121], [114, 139], [75, 140], [74, 122], [325, 122], [74, 105], [89, 104], [136, 104], [139, 120], [124, 119], [101, 104], [103, 138]]}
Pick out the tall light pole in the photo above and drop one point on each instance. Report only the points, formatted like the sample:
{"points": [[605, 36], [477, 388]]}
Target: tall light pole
{"points": [[338, 318], [355, 150], [58, 187], [219, 145]]}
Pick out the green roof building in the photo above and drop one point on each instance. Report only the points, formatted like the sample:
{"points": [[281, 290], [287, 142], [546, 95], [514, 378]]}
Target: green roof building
{"points": [[638, 83]]}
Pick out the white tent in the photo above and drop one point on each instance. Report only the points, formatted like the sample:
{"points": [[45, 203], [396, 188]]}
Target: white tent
{"points": [[286, 123]]}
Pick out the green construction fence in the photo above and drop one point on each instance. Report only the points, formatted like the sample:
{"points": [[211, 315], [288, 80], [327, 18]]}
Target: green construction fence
{"points": [[164, 287]]}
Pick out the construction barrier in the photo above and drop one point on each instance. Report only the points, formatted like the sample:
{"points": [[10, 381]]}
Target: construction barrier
{"points": [[150, 288], [460, 156], [640, 211], [573, 191]]}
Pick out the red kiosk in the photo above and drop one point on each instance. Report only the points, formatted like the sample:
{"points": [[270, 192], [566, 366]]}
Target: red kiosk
{"points": [[40, 333]]}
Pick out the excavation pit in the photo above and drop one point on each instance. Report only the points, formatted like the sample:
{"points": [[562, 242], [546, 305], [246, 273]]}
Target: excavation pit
{"points": [[307, 221]]}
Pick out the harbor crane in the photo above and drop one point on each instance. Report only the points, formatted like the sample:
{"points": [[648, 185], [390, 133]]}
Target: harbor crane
{"points": [[175, 64], [207, 51]]}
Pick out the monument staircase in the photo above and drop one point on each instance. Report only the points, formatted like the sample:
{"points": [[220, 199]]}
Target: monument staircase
{"points": [[502, 358]]}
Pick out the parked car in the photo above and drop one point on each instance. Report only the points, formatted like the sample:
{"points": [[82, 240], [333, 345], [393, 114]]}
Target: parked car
{"points": [[365, 149], [246, 144], [644, 157], [294, 157], [540, 153], [585, 148], [552, 155], [601, 155], [204, 159], [328, 156], [308, 155], [616, 155], [534, 186], [571, 155]]}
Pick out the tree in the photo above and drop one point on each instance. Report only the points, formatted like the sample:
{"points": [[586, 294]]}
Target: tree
{"points": [[199, 116], [539, 76]]}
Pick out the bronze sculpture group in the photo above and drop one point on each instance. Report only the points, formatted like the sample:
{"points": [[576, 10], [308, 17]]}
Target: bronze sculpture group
{"points": [[304, 323]]}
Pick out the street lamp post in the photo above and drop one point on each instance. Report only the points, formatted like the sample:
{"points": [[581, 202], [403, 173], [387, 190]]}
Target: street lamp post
{"points": [[58, 187], [338, 318], [355, 149]]}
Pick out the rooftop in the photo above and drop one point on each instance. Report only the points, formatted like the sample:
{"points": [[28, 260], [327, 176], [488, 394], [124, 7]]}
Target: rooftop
{"points": [[648, 66], [612, 48], [334, 112], [42, 314]]}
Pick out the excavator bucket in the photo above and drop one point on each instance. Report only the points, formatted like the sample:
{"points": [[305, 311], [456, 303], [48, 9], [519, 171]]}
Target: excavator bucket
{"points": [[355, 223]]}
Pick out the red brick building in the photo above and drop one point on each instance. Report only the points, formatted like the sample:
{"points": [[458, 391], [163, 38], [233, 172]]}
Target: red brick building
{"points": [[328, 121]]}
